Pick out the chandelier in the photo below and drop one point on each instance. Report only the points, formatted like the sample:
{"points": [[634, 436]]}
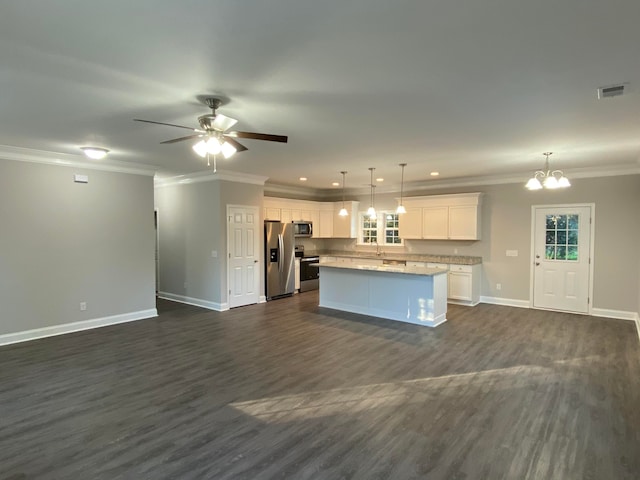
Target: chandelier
{"points": [[547, 178]]}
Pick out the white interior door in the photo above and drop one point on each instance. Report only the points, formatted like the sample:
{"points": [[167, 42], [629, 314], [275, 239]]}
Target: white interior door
{"points": [[243, 231], [561, 263]]}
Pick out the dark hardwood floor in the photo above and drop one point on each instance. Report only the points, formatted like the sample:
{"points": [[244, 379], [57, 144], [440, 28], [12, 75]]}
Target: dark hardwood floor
{"points": [[289, 390]]}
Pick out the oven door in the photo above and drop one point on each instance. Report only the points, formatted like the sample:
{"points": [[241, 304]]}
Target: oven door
{"points": [[309, 278]]}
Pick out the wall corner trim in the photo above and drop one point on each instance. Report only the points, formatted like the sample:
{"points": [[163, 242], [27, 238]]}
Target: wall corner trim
{"points": [[208, 176], [196, 302], [64, 328]]}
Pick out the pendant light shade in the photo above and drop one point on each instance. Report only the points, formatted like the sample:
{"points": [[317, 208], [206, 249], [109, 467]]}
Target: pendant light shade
{"points": [[343, 211], [401, 208], [550, 179], [371, 211]]}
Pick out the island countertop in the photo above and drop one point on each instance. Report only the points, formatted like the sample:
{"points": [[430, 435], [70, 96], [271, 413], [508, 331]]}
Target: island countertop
{"points": [[409, 257], [405, 269]]}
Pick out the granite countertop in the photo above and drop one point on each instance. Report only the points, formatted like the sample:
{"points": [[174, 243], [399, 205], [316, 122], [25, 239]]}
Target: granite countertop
{"points": [[423, 271], [412, 257]]}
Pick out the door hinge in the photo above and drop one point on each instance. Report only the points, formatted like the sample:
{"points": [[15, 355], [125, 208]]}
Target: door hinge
{"points": [[588, 300], [229, 292], [229, 219], [229, 254]]}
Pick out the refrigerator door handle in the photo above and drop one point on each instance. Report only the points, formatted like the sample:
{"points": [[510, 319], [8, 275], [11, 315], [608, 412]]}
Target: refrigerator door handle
{"points": [[280, 251]]}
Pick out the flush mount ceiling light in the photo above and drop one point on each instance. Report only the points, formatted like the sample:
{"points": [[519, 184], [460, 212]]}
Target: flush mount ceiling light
{"points": [[343, 211], [371, 211], [401, 208], [547, 178], [96, 153]]}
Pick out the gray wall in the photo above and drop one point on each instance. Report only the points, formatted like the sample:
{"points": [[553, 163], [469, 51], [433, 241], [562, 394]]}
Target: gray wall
{"points": [[192, 224], [62, 243], [506, 224]]}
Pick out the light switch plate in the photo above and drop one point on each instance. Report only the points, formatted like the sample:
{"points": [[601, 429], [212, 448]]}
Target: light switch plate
{"points": [[512, 253]]}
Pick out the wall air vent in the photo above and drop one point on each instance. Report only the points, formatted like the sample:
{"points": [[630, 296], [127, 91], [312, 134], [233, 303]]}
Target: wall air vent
{"points": [[612, 90]]}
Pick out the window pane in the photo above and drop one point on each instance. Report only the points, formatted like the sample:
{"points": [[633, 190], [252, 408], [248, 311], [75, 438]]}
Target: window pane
{"points": [[551, 223], [562, 222], [550, 252], [551, 237], [573, 222], [562, 238], [561, 253], [572, 237], [572, 253]]}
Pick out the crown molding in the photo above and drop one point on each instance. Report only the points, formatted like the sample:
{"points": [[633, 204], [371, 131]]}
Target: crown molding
{"points": [[208, 176], [426, 185], [20, 154]]}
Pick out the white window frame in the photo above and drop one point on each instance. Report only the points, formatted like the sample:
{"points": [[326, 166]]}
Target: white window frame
{"points": [[380, 230]]}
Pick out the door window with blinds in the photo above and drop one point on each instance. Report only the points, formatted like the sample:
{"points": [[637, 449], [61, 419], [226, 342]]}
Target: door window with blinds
{"points": [[561, 237]]}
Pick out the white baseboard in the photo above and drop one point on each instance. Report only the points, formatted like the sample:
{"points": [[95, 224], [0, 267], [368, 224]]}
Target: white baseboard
{"points": [[509, 302], [638, 324], [198, 302], [262, 299], [619, 314], [54, 330]]}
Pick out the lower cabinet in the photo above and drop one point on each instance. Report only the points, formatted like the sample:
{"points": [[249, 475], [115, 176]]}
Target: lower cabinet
{"points": [[464, 284]]}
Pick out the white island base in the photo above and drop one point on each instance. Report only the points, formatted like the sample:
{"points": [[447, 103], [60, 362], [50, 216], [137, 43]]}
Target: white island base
{"points": [[408, 294]]}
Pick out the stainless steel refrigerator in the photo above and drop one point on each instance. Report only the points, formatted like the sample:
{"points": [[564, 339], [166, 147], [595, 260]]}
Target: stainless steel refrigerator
{"points": [[279, 259]]}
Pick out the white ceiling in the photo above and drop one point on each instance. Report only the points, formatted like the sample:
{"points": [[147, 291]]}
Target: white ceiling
{"points": [[468, 88]]}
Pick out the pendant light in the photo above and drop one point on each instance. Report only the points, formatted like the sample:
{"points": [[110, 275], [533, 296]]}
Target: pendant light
{"points": [[401, 208], [343, 211], [371, 211], [550, 179]]}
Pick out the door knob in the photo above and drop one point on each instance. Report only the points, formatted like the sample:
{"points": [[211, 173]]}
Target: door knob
{"points": [[537, 256], [255, 261], [537, 263]]}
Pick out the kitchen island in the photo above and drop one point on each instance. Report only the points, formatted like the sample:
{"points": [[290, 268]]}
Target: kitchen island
{"points": [[396, 292]]}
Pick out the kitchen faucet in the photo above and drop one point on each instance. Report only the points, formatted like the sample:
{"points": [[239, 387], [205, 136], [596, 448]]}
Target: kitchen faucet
{"points": [[379, 251]]}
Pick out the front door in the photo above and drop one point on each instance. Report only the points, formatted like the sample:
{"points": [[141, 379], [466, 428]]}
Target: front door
{"points": [[243, 231], [561, 263]]}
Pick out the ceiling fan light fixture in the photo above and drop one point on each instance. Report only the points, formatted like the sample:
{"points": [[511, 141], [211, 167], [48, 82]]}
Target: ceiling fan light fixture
{"points": [[213, 146], [200, 148], [95, 153], [228, 150]]}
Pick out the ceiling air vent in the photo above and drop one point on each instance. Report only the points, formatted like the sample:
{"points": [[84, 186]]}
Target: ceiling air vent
{"points": [[612, 90]]}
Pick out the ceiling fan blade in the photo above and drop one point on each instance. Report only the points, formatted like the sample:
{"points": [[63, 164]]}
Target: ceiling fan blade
{"points": [[260, 136], [180, 139], [238, 146], [168, 125], [222, 122]]}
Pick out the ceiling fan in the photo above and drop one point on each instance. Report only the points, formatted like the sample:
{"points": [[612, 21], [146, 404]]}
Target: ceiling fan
{"points": [[213, 134]]}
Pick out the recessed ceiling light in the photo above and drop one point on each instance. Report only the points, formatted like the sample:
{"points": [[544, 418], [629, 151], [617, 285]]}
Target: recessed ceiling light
{"points": [[336, 184], [303, 179], [95, 153], [434, 174], [379, 179]]}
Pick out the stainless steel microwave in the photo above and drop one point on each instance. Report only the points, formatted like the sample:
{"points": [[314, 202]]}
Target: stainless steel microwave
{"points": [[302, 229]]}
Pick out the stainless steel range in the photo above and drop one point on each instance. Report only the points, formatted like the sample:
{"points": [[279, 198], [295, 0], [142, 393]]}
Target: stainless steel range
{"points": [[309, 278]]}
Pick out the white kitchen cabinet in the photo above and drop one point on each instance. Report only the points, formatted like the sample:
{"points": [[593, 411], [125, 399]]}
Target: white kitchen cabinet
{"points": [[285, 215], [463, 222], [272, 213], [410, 223], [297, 273], [442, 217], [324, 228], [367, 261], [416, 264], [435, 222], [345, 227], [464, 284]]}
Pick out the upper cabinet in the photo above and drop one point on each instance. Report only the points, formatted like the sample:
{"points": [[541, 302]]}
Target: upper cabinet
{"points": [[324, 215], [347, 226], [442, 217]]}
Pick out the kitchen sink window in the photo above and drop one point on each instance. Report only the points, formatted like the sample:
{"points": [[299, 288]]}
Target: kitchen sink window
{"points": [[382, 230]]}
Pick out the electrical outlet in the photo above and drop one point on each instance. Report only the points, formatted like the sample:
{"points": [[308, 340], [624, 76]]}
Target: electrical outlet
{"points": [[185, 284], [214, 254], [512, 253], [498, 286], [83, 306]]}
